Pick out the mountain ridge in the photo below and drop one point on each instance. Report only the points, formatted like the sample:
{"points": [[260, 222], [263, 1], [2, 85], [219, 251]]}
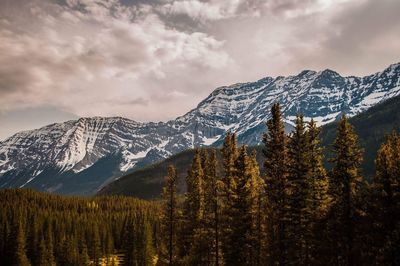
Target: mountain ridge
{"points": [[65, 150]]}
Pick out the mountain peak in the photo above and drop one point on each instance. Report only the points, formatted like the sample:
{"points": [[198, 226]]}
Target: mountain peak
{"points": [[306, 73], [329, 73]]}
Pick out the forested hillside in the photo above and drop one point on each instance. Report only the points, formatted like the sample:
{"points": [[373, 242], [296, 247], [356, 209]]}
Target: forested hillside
{"points": [[371, 126], [44, 229]]}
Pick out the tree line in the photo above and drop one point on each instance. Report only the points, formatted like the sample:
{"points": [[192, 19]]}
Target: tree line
{"points": [[298, 213], [45, 230]]}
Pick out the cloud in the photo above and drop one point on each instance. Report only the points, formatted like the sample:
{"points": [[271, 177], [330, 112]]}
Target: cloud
{"points": [[86, 55]]}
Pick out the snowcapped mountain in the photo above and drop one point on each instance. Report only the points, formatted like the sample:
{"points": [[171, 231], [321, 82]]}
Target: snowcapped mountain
{"points": [[79, 157]]}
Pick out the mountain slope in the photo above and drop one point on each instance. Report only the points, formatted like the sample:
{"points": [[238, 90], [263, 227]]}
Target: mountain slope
{"points": [[371, 126], [64, 157]]}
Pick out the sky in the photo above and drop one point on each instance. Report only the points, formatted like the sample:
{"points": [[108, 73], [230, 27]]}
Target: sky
{"points": [[154, 60]]}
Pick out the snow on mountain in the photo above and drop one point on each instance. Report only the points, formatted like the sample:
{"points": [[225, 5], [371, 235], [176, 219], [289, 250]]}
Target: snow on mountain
{"points": [[79, 156]]}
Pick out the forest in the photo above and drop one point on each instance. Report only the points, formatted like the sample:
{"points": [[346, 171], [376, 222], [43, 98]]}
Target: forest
{"points": [[298, 213], [44, 229]]}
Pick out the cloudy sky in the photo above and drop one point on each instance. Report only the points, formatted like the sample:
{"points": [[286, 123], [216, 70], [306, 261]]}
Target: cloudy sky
{"points": [[152, 60]]}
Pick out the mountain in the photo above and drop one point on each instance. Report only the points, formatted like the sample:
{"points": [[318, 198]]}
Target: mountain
{"points": [[372, 126], [81, 156]]}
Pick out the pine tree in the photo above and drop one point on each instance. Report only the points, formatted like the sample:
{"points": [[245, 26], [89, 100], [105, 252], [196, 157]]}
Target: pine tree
{"points": [[212, 207], [318, 198], [227, 185], [238, 239], [298, 216], [195, 233], [345, 183], [229, 156], [257, 234], [95, 245], [276, 184], [169, 215], [33, 240], [386, 188], [18, 243], [44, 256]]}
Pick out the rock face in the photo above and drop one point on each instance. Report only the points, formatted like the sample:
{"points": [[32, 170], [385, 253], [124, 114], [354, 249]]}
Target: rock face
{"points": [[79, 157]]}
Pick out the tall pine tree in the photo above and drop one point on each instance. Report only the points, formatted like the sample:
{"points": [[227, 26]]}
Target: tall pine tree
{"points": [[169, 217], [298, 215], [276, 185], [318, 198], [257, 234], [345, 183], [238, 239], [193, 234], [386, 215], [229, 156]]}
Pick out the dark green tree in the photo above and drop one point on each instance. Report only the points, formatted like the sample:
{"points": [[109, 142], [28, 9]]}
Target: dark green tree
{"points": [[276, 185], [257, 233], [345, 184], [318, 198], [169, 216], [238, 238], [298, 215], [386, 212]]}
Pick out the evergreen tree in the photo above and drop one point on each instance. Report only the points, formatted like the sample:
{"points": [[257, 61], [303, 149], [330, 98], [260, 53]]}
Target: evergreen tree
{"points": [[386, 214], [45, 256], [33, 240], [345, 183], [213, 187], [229, 156], [276, 185], [18, 245], [169, 215], [95, 245], [212, 207], [298, 216], [238, 238], [318, 198], [195, 233], [257, 234]]}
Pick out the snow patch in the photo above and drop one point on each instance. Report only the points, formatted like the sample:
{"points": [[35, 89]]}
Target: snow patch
{"points": [[208, 141]]}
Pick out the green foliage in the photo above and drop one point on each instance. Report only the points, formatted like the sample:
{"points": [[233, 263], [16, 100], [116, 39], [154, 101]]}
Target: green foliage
{"points": [[298, 191], [382, 214], [276, 186], [75, 231], [169, 219], [345, 185]]}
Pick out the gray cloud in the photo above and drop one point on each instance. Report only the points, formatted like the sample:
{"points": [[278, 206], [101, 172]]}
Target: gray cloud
{"points": [[135, 58]]}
